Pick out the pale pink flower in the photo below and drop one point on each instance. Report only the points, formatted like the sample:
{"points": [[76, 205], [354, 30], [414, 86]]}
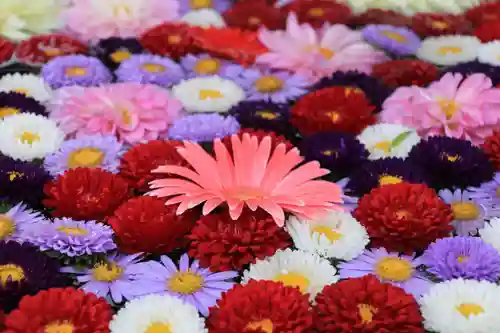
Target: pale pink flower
{"points": [[98, 19], [132, 111], [316, 54], [453, 106], [251, 176]]}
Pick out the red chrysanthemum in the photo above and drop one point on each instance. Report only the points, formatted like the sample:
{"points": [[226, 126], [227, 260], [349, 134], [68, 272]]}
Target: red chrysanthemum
{"points": [[85, 194], [488, 31], [339, 109], [484, 13], [491, 147], [261, 307], [230, 43], [260, 134], [317, 12], [380, 16], [7, 49], [434, 24], [366, 305], [41, 49], [404, 217], [254, 14], [60, 310], [407, 72], [174, 40], [145, 224], [223, 244], [138, 162]]}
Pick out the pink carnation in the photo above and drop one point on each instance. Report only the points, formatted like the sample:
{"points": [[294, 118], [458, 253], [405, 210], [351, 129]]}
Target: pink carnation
{"points": [[317, 54], [98, 19], [453, 106], [132, 111]]}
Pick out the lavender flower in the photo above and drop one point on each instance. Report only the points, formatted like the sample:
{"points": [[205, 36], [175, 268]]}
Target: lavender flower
{"points": [[150, 69], [17, 222], [206, 65], [489, 191], [397, 40], [203, 127]]}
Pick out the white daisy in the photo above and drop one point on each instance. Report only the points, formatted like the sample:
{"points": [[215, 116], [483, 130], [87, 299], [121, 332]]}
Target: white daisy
{"points": [[307, 271], [205, 18], [30, 85], [388, 140], [157, 313], [208, 94], [491, 233], [449, 50], [489, 53], [337, 235], [462, 306], [28, 136]]}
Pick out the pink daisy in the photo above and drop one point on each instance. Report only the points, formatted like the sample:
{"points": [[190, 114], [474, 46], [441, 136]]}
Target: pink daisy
{"points": [[98, 19], [251, 176], [316, 54], [453, 106], [132, 111]]}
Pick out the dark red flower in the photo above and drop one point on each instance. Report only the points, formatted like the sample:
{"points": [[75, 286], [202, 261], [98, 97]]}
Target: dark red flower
{"points": [[145, 224], [341, 109], [366, 305], [491, 147], [60, 310], [85, 194], [435, 24], [260, 134], [7, 49], [223, 244], [254, 14], [404, 217], [380, 16], [484, 13], [169, 39], [407, 72], [138, 162], [261, 307], [317, 12], [41, 49], [488, 31]]}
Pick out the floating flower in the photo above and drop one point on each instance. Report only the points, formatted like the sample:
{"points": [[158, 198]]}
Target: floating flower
{"points": [[169, 39], [204, 18], [204, 65], [114, 50], [396, 40], [263, 115], [149, 69], [12, 103], [489, 53], [449, 50], [490, 233], [337, 235], [203, 127], [246, 179], [17, 222], [406, 72], [439, 24], [189, 5], [28, 84], [404, 217], [318, 12], [252, 15]]}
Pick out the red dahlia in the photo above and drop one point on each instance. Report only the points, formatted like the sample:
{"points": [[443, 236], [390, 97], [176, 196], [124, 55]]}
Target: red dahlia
{"points": [[85, 194], [60, 310], [260, 134], [138, 162], [145, 224], [254, 14], [223, 244], [491, 147], [366, 305], [317, 12], [484, 13], [7, 49], [488, 31], [169, 39], [380, 16], [332, 109], [404, 217], [41, 49], [434, 24], [261, 307], [397, 73]]}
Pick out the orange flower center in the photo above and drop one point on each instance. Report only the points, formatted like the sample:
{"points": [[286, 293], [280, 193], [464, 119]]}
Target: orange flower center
{"points": [[245, 193], [395, 269], [59, 327], [75, 71], [389, 180], [334, 116], [265, 325], [366, 313], [154, 68], [159, 328], [349, 90], [326, 53], [440, 25], [207, 66], [295, 280], [7, 111], [88, 157], [395, 36], [445, 50], [253, 20], [10, 272], [269, 84], [174, 39], [120, 56], [316, 12], [73, 231], [465, 210], [448, 107], [52, 52], [266, 114], [402, 214], [7, 227], [200, 4], [210, 94]]}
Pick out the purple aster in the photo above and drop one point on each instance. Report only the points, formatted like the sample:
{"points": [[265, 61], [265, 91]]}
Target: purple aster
{"points": [[17, 222], [75, 70], [73, 238], [397, 40], [462, 257], [489, 191], [13, 103], [191, 283], [203, 127], [189, 5], [112, 51], [149, 69], [109, 278], [264, 115], [206, 65], [94, 151], [473, 67], [349, 203], [390, 267]]}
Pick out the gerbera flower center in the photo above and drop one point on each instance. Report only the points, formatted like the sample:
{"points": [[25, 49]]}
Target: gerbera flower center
{"points": [[7, 227], [185, 282], [445, 50], [394, 36], [159, 328], [448, 107], [200, 4], [154, 68], [470, 309], [59, 327], [207, 66], [395, 269], [316, 12], [7, 111], [465, 210], [265, 325], [334, 116], [210, 94], [75, 71], [29, 137], [440, 25], [389, 180], [86, 157], [385, 146], [292, 279], [328, 232], [73, 231], [266, 114], [107, 271], [13, 175], [120, 56], [10, 272], [174, 39], [269, 84], [366, 313]]}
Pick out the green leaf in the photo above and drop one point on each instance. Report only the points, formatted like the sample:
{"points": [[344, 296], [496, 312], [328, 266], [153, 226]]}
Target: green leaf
{"points": [[400, 138]]}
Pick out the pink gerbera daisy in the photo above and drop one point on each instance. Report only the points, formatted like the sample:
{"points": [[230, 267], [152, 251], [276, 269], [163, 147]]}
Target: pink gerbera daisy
{"points": [[453, 106], [316, 54], [251, 176], [132, 111]]}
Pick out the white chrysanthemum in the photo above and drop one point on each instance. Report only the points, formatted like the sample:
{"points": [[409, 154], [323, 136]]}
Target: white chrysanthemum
{"points": [[411, 7], [462, 306], [489, 53], [307, 271], [208, 94], [204, 18], [388, 140], [157, 313], [31, 85], [27, 136], [449, 50], [490, 233]]}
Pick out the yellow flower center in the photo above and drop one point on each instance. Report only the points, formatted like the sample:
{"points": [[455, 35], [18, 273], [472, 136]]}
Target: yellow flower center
{"points": [[497, 192], [73, 231], [200, 4], [470, 309], [366, 313], [29, 138], [329, 233], [448, 107], [445, 50], [154, 68], [269, 84], [266, 114], [23, 91], [10, 272], [334, 116], [117, 10], [210, 94], [395, 36], [76, 71], [159, 328], [294, 280], [395, 269], [349, 90], [13, 175], [402, 214], [185, 282], [253, 20], [326, 53], [265, 325], [207, 66], [88, 157], [52, 52], [462, 259], [465, 210], [384, 146], [7, 227], [316, 12], [330, 153], [5, 112], [451, 158], [107, 271], [174, 39], [389, 180], [125, 115], [440, 25], [120, 56], [59, 327]]}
